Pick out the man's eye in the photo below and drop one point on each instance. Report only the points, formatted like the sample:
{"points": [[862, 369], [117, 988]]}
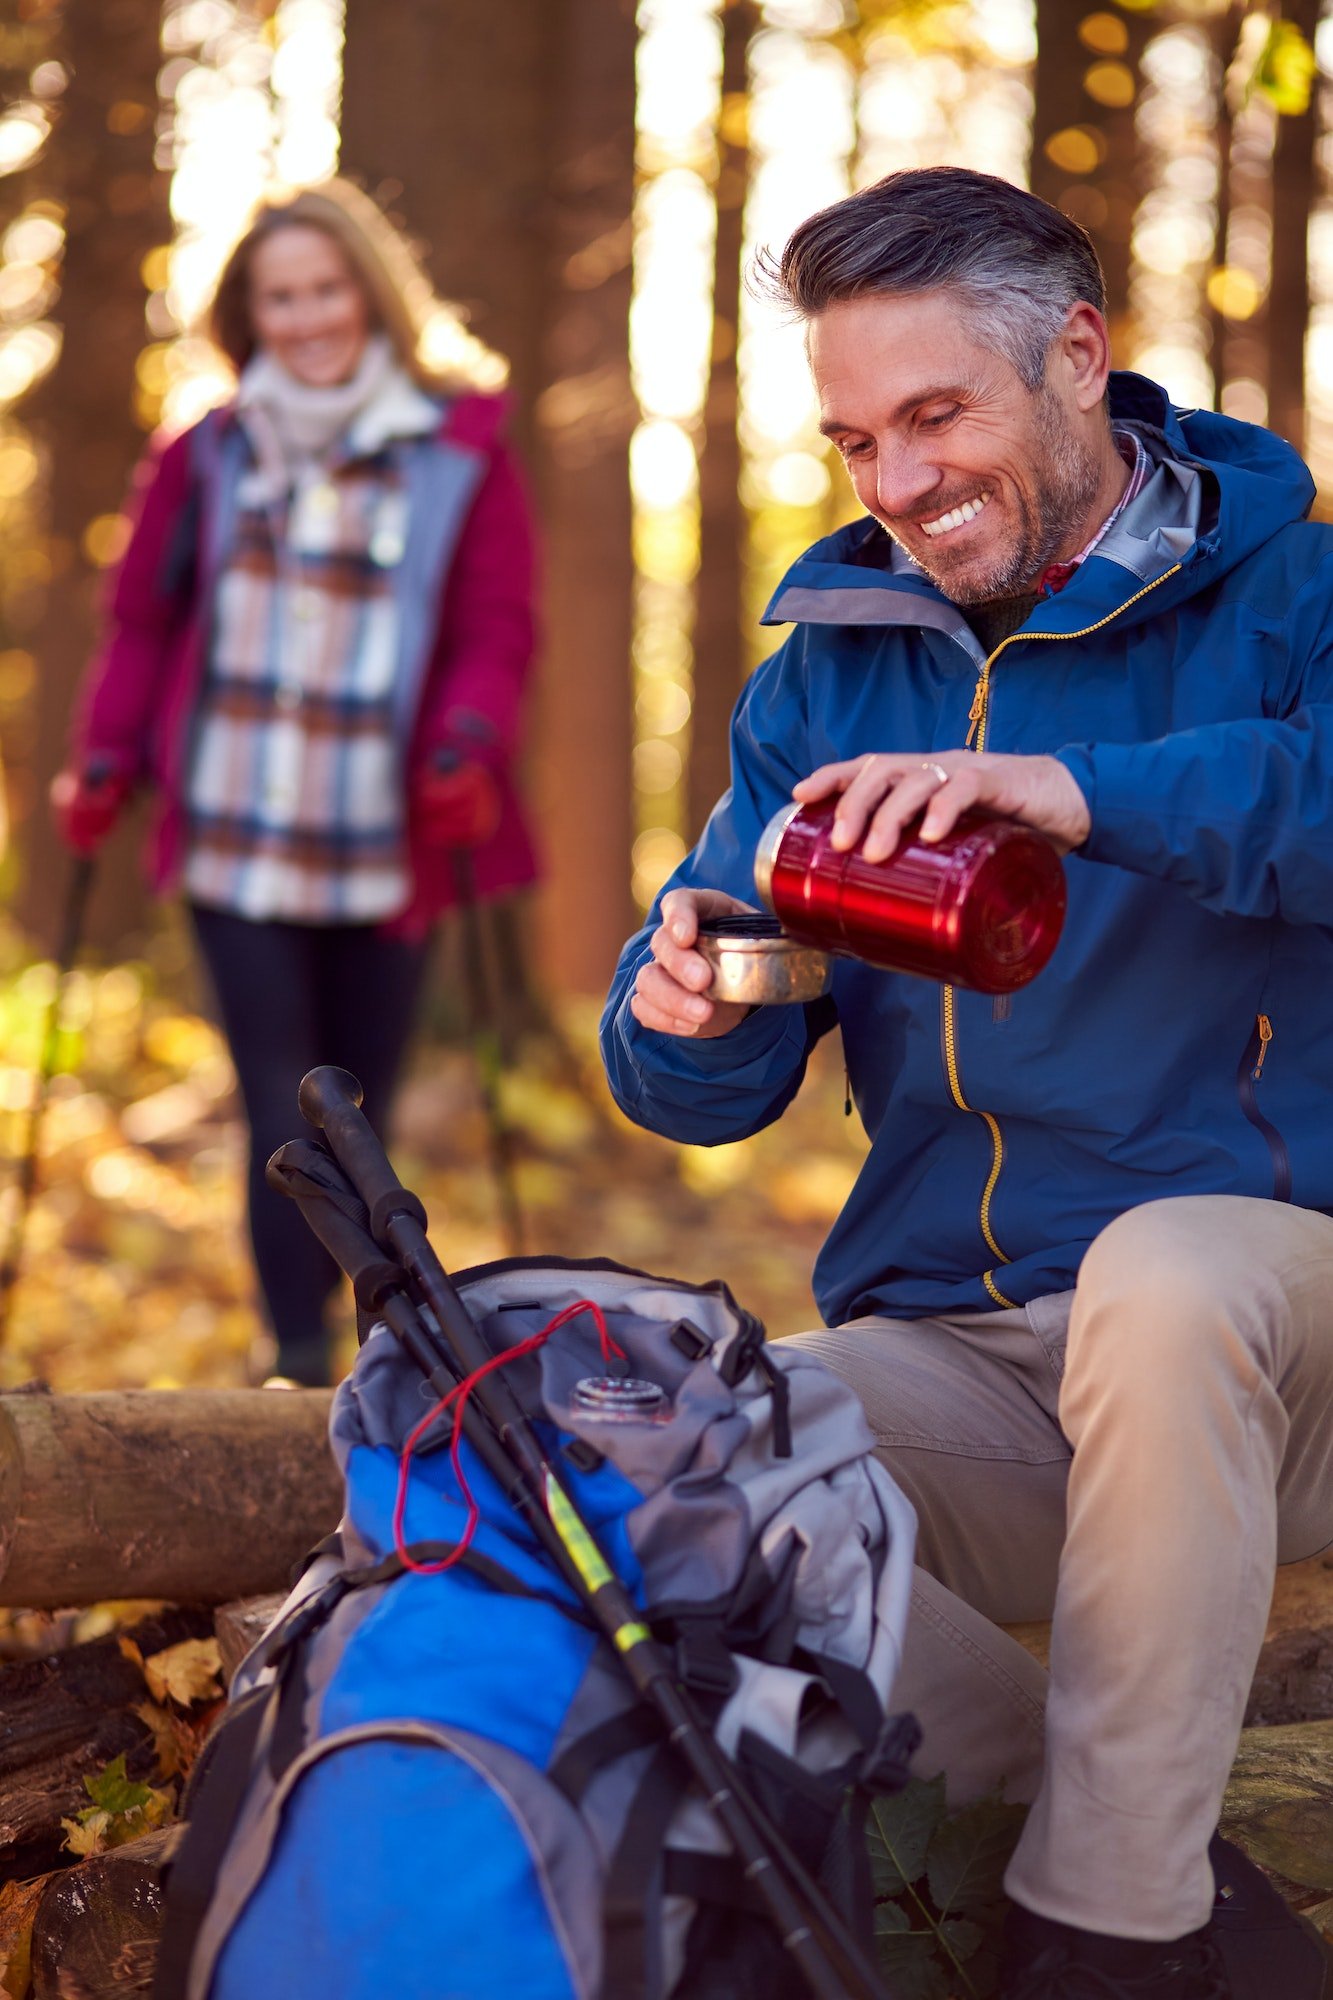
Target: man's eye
{"points": [[938, 418], [856, 448]]}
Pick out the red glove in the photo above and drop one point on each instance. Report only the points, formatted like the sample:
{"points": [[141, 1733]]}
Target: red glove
{"points": [[86, 804], [457, 804]]}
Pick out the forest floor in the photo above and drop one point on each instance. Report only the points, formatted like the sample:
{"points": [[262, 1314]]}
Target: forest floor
{"points": [[134, 1269]]}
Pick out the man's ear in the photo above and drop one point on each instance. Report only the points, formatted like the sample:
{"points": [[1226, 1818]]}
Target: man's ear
{"points": [[1083, 354]]}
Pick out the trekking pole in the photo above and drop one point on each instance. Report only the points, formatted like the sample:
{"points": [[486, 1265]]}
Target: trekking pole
{"points": [[71, 931], [304, 1170], [483, 1006], [329, 1098]]}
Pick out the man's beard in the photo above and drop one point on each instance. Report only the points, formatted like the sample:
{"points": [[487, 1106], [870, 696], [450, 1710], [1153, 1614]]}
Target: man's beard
{"points": [[1066, 479]]}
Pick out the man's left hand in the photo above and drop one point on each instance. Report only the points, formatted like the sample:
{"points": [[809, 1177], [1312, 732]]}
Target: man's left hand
{"points": [[883, 792]]}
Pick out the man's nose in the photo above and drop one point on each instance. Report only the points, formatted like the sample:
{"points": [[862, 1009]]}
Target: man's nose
{"points": [[904, 479]]}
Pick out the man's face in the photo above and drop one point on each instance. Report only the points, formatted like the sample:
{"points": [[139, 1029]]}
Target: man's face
{"points": [[982, 480]]}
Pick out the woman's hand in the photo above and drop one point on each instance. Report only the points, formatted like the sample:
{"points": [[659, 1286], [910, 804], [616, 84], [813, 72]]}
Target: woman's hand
{"points": [[880, 793], [86, 803], [669, 993]]}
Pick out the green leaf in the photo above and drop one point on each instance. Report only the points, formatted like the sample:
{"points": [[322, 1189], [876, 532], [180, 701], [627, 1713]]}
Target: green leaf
{"points": [[900, 1831], [962, 1937], [969, 1854], [891, 1920], [911, 1968], [1285, 70], [112, 1792]]}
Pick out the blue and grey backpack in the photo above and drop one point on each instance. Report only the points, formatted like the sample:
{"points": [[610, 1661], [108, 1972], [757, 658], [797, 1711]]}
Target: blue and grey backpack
{"points": [[436, 1783]]}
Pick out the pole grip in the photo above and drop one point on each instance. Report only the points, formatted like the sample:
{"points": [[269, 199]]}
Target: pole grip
{"points": [[303, 1170], [330, 1099]]}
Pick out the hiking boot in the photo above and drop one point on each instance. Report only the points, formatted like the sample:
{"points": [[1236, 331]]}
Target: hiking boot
{"points": [[1252, 1948], [1050, 1961], [1267, 1950]]}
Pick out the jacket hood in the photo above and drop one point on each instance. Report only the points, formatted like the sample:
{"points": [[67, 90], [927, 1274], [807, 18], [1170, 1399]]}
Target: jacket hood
{"points": [[1219, 491]]}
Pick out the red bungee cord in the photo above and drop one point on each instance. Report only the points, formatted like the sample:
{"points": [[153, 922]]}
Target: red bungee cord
{"points": [[460, 1392]]}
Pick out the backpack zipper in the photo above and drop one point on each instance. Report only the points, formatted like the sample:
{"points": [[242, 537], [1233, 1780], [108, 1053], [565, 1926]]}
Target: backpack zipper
{"points": [[977, 718]]}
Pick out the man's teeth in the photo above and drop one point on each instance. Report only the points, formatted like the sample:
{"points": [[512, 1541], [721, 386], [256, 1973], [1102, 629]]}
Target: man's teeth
{"points": [[967, 512]]}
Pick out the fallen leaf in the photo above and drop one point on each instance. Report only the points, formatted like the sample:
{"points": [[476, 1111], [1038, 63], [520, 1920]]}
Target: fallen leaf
{"points": [[18, 1906], [176, 1738], [185, 1673]]}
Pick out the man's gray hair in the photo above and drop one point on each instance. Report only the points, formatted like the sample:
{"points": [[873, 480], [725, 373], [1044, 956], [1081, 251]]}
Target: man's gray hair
{"points": [[1015, 263]]}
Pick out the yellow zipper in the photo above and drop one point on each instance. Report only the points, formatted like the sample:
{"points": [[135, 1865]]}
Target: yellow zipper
{"points": [[1265, 1037], [976, 720]]}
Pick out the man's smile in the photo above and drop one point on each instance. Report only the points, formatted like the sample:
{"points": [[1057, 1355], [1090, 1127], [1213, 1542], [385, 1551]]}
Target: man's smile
{"points": [[957, 517]]}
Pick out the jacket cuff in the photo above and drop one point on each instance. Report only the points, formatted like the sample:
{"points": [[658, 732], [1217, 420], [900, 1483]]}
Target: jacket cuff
{"points": [[1078, 760]]}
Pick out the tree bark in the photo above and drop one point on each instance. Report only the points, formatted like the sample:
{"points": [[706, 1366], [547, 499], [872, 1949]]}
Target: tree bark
{"points": [[1289, 287], [66, 1717], [586, 415], [463, 162], [194, 1495], [101, 164], [720, 643], [531, 107], [97, 1926], [1105, 200]]}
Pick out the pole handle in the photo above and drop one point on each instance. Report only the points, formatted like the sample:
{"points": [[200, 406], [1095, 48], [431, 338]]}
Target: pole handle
{"points": [[303, 1170], [330, 1099]]}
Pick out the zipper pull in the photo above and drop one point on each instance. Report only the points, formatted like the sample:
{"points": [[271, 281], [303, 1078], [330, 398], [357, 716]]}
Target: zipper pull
{"points": [[975, 713], [846, 1092], [1265, 1037]]}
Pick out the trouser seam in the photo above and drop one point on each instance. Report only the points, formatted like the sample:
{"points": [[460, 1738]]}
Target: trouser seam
{"points": [[959, 1639]]}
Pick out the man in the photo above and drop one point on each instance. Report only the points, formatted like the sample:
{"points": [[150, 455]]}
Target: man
{"points": [[1081, 1282]]}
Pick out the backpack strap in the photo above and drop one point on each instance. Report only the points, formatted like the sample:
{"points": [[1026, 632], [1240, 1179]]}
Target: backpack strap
{"points": [[222, 1777], [632, 1901]]}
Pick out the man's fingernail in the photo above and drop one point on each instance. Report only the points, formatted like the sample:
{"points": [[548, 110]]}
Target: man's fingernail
{"points": [[929, 830], [680, 930], [696, 1009]]}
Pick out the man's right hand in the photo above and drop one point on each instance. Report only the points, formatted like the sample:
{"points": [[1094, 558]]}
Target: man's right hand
{"points": [[85, 804], [669, 993]]}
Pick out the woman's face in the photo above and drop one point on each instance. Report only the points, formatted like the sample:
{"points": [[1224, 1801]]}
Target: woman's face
{"points": [[307, 307]]}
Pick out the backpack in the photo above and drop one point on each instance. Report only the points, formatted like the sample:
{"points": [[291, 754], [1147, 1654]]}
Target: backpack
{"points": [[436, 1782]]}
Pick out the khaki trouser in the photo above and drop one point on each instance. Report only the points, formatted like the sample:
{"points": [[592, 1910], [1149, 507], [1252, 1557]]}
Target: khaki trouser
{"points": [[1130, 1459]]}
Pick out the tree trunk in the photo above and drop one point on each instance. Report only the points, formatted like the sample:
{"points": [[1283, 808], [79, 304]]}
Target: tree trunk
{"points": [[66, 1717], [531, 107], [102, 166], [195, 1495], [97, 1927], [462, 162], [1103, 200], [720, 645], [1289, 288], [586, 414]]}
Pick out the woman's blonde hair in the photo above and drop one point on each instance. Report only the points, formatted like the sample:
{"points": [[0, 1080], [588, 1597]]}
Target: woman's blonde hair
{"points": [[428, 335]]}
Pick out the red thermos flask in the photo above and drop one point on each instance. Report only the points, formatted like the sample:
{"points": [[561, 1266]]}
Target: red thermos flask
{"points": [[981, 907]]}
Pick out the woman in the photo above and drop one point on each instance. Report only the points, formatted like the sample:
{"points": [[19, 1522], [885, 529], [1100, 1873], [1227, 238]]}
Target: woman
{"points": [[316, 652]]}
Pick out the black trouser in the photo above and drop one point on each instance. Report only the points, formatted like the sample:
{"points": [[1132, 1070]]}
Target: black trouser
{"points": [[291, 996]]}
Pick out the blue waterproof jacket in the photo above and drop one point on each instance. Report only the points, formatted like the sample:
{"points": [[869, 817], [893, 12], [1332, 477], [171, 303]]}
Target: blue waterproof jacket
{"points": [[1181, 1039]]}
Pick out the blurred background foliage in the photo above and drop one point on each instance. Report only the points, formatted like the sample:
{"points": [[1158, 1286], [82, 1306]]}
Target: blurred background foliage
{"points": [[589, 180]]}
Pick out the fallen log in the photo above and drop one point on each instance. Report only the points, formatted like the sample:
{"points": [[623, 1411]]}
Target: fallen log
{"points": [[96, 1929], [197, 1496], [65, 1718]]}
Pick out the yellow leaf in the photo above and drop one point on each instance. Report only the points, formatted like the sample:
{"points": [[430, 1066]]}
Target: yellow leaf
{"points": [[175, 1742], [87, 1833], [18, 1906], [185, 1673]]}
